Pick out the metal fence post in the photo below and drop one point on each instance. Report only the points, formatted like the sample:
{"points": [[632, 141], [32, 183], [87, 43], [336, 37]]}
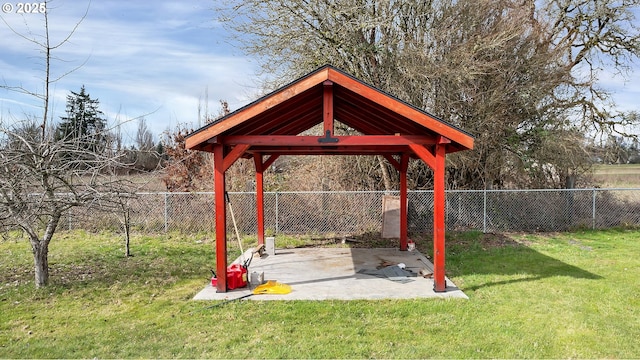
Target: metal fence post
{"points": [[166, 212], [484, 213], [276, 212], [593, 210]]}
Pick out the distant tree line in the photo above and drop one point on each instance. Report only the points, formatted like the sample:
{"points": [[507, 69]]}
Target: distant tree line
{"points": [[145, 154], [617, 150]]}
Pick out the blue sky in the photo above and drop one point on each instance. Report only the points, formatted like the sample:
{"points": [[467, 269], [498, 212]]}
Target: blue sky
{"points": [[155, 59]]}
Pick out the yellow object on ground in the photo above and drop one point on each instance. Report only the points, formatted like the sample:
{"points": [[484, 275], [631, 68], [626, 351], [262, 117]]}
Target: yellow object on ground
{"points": [[272, 287]]}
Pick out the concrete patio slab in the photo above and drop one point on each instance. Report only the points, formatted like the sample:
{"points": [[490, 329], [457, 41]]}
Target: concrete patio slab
{"points": [[337, 274]]}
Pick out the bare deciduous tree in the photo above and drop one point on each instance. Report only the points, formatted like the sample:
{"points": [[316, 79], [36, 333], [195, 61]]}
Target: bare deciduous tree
{"points": [[41, 176], [187, 170], [183, 168], [516, 74], [41, 179]]}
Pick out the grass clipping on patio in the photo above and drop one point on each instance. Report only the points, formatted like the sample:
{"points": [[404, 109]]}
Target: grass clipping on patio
{"points": [[568, 295]]}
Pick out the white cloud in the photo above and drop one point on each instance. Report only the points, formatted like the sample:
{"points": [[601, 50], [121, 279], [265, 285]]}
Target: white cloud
{"points": [[624, 88], [138, 58]]}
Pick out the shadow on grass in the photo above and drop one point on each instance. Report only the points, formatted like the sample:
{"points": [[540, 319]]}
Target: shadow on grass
{"points": [[498, 254], [475, 253], [502, 259]]}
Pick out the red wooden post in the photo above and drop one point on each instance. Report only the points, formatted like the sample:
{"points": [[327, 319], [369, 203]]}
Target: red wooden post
{"points": [[404, 163], [221, 217], [438, 219], [257, 159]]}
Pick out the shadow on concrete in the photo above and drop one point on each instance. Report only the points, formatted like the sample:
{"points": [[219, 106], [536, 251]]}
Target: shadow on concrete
{"points": [[323, 271], [336, 273]]}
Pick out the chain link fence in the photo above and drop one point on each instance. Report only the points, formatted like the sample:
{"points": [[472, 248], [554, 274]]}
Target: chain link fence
{"points": [[361, 211]]}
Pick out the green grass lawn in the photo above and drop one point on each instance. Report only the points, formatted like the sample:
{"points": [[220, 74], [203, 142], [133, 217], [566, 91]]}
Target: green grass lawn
{"points": [[569, 295]]}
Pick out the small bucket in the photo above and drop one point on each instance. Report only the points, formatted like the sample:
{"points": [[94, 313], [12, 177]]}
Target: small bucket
{"points": [[411, 245]]}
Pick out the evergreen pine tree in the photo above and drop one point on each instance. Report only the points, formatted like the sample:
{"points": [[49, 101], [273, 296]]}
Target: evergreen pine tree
{"points": [[84, 122]]}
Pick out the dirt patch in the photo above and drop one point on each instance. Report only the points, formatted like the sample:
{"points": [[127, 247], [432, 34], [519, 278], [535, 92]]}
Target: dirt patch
{"points": [[66, 274], [485, 241], [494, 240], [368, 240], [424, 243], [580, 245]]}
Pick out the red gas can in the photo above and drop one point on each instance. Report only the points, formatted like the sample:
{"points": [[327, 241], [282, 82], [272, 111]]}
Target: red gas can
{"points": [[236, 276]]}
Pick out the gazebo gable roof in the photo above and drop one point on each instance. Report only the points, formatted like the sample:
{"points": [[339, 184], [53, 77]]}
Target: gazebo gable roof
{"points": [[299, 106]]}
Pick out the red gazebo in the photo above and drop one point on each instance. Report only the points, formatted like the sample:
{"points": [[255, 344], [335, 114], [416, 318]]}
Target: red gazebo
{"points": [[270, 126]]}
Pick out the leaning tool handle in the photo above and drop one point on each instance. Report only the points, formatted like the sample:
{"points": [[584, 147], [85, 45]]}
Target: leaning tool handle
{"points": [[235, 226]]}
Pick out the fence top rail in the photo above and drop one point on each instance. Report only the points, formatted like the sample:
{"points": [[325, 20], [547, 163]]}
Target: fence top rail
{"points": [[275, 192], [542, 190], [164, 193], [388, 192]]}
